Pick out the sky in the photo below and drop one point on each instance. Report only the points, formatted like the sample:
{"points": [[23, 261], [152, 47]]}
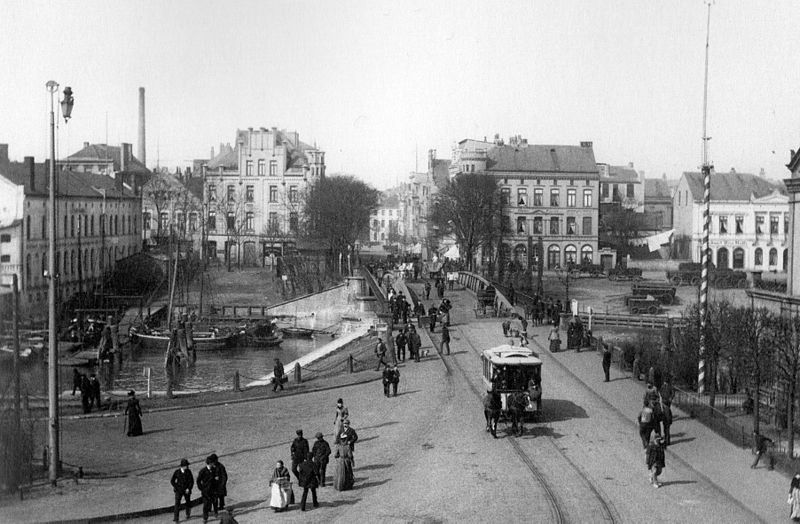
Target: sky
{"points": [[376, 84]]}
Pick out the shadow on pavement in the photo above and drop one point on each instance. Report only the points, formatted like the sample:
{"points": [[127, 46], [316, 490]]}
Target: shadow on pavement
{"points": [[532, 431], [401, 393], [677, 482], [240, 508], [367, 439], [555, 410], [154, 431], [375, 466], [673, 441], [337, 503], [390, 423], [370, 484]]}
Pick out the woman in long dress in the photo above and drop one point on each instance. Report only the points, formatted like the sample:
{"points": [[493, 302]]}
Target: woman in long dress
{"points": [[343, 473], [280, 488], [341, 415], [134, 413]]}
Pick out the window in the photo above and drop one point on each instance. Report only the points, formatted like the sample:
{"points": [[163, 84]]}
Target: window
{"points": [[249, 168], [212, 193], [587, 198], [759, 257], [92, 223], [604, 190], [759, 224], [231, 193], [294, 222], [250, 193], [571, 197], [785, 224], [505, 223], [537, 226], [5, 238], [164, 221], [554, 226], [522, 196], [615, 196], [5, 258], [66, 225], [570, 225], [28, 229], [774, 224], [261, 167], [773, 257], [273, 167], [249, 221], [739, 224], [521, 225], [272, 225], [738, 258], [554, 197], [679, 198], [28, 269], [192, 222], [212, 220], [587, 225], [723, 225], [629, 191], [586, 254], [179, 221], [505, 194], [538, 196], [570, 255], [383, 223], [230, 221], [292, 193], [273, 193]]}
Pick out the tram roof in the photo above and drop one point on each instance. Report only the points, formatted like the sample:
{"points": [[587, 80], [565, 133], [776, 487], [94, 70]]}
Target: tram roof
{"points": [[514, 355]]}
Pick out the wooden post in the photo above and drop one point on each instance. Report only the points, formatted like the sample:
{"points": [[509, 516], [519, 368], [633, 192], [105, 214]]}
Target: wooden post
{"points": [[236, 381], [350, 363], [147, 374], [297, 375]]}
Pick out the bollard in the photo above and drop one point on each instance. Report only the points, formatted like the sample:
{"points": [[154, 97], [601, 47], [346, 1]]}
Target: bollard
{"points": [[297, 377], [147, 374], [236, 381], [350, 363]]}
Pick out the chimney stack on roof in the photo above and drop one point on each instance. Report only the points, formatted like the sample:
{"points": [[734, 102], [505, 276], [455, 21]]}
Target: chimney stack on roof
{"points": [[4, 162], [142, 150], [85, 145], [762, 173], [29, 164], [630, 164], [733, 170], [124, 156], [590, 144]]}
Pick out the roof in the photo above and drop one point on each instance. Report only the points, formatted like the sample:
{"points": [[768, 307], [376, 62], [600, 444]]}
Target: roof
{"points": [[69, 183], [622, 173], [228, 159], [732, 186], [542, 158], [655, 188], [441, 172], [507, 354], [103, 152]]}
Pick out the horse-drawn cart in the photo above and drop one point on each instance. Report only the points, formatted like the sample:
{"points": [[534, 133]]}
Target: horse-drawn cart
{"points": [[513, 379]]}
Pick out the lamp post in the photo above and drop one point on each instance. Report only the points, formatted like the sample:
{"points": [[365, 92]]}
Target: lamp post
{"points": [[52, 375]]}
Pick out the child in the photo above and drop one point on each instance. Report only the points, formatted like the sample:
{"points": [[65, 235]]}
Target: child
{"points": [[655, 460]]}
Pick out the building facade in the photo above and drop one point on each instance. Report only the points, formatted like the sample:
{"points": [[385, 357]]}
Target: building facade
{"points": [[254, 194], [793, 188], [550, 191], [621, 185], [749, 220], [172, 204], [658, 201], [388, 222], [97, 223]]}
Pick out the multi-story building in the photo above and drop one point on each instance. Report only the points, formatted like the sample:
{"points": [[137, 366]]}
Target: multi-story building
{"points": [[551, 191], [113, 161], [97, 223], [254, 193], [749, 220], [388, 221], [621, 185], [658, 201], [172, 203], [793, 188]]}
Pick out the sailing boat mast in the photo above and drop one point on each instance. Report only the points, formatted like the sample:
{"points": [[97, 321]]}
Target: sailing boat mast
{"points": [[701, 364]]}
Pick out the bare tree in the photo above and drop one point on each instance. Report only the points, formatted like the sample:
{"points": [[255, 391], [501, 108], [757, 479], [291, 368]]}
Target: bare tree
{"points": [[236, 217], [754, 350], [787, 362]]}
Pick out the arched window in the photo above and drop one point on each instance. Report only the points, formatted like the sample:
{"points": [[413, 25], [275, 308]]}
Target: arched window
{"points": [[773, 257], [553, 256], [758, 257], [570, 255], [722, 258], [521, 254], [738, 258], [587, 255]]}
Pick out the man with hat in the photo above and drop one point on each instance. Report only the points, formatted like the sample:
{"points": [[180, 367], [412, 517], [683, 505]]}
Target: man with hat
{"points": [[207, 484], [182, 483], [349, 435], [94, 391], [299, 452], [222, 481], [277, 375], [320, 453]]}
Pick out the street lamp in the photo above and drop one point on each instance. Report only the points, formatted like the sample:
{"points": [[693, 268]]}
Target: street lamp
{"points": [[52, 362]]}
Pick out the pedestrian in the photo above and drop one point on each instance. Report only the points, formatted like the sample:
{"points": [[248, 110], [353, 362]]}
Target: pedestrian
{"points": [[506, 327], [427, 290], [440, 289], [394, 379], [794, 498], [76, 381], [94, 391], [86, 394], [400, 343], [343, 478], [380, 353], [222, 481], [206, 483], [511, 296], [761, 445], [309, 482], [606, 359], [656, 460], [667, 392], [134, 412], [321, 453], [277, 375], [182, 483], [433, 312], [650, 397], [555, 339], [445, 339], [414, 343], [348, 436], [666, 421], [338, 423], [299, 451], [386, 379], [280, 484], [637, 359], [645, 420]]}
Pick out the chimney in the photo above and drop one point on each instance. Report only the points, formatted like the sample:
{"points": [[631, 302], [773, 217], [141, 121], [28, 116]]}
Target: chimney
{"points": [[30, 167], [124, 156], [118, 181], [4, 162], [630, 164], [142, 150], [187, 173], [212, 152], [733, 170], [85, 145], [590, 144], [762, 173]]}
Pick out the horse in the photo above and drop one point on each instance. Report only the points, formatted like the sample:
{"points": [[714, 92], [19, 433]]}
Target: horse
{"points": [[491, 410], [516, 404]]}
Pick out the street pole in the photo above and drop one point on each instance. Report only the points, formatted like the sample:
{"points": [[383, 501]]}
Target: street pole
{"points": [[52, 361], [701, 363], [17, 415]]}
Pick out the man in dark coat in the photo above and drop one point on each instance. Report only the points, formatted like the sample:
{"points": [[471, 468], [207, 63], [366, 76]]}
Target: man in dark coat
{"points": [[606, 359], [320, 453], [433, 311], [445, 339], [182, 483], [86, 394], [76, 381], [386, 379], [277, 375], [400, 342], [299, 452], [427, 290], [207, 484], [222, 481], [394, 379], [308, 481], [380, 353], [414, 343], [94, 391]]}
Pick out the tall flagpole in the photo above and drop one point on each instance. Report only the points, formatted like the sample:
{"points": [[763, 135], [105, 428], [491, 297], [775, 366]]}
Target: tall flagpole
{"points": [[705, 259]]}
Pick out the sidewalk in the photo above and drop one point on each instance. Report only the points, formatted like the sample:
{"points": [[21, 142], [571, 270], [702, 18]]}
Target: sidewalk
{"points": [[712, 456]]}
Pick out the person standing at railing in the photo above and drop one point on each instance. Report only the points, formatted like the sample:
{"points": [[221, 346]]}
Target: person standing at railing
{"points": [[606, 358]]}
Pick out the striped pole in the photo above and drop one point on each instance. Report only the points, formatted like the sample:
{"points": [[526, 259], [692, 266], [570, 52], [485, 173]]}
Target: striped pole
{"points": [[701, 363]]}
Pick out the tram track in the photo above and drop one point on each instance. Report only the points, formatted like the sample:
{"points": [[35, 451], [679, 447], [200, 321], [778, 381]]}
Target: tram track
{"points": [[555, 500]]}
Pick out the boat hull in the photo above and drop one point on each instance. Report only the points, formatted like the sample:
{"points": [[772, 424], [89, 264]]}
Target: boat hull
{"points": [[202, 341]]}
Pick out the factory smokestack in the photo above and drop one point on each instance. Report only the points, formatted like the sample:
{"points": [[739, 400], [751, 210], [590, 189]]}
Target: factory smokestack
{"points": [[142, 149]]}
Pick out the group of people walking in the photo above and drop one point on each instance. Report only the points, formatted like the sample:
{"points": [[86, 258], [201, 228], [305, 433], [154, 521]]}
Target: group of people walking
{"points": [[89, 388], [212, 481]]}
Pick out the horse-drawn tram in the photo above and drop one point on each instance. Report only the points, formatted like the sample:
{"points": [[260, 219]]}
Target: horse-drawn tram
{"points": [[515, 375]]}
